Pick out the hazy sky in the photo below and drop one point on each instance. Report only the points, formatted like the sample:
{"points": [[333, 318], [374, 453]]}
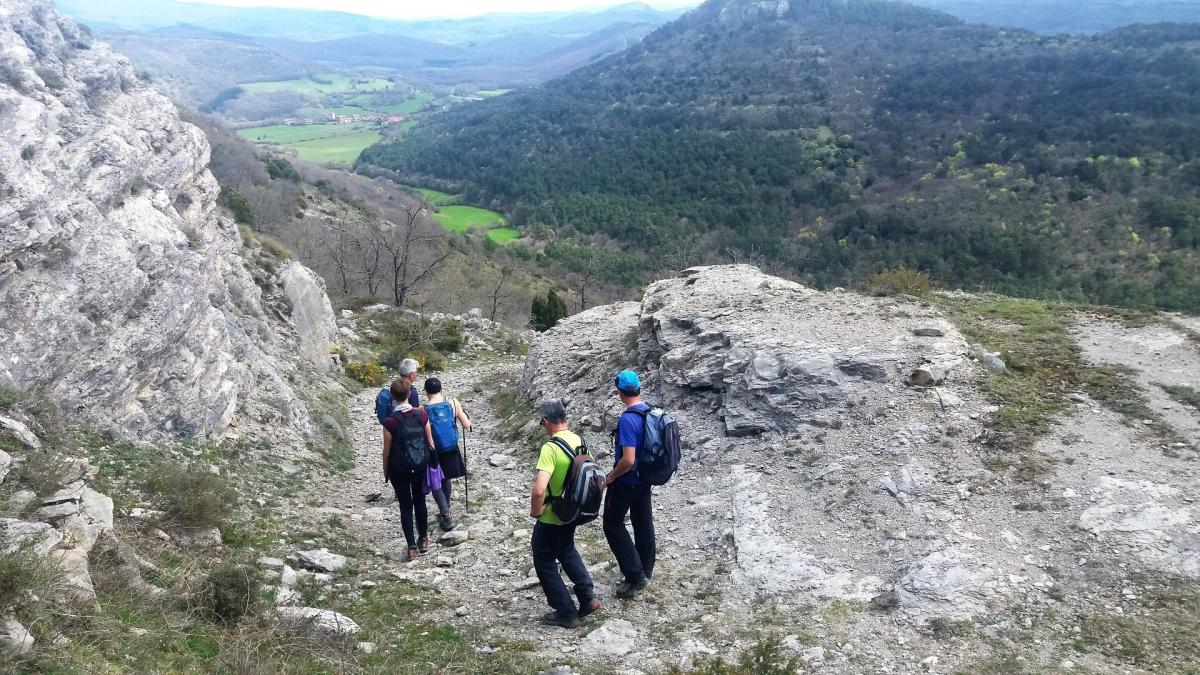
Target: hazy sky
{"points": [[411, 9]]}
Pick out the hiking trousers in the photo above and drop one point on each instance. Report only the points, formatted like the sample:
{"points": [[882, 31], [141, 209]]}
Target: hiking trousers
{"points": [[410, 493], [635, 557], [554, 545], [442, 496]]}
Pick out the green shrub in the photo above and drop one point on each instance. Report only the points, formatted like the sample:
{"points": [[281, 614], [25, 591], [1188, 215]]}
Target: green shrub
{"points": [[237, 204], [279, 168], [231, 591], [370, 374], [900, 281], [9, 396], [191, 495], [22, 571], [404, 336]]}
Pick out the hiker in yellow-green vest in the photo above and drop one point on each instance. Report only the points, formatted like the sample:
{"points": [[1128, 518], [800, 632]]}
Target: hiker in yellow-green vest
{"points": [[554, 543]]}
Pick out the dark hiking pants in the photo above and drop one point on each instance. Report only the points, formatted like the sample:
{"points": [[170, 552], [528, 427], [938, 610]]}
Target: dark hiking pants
{"points": [[636, 560], [554, 545], [409, 487]]}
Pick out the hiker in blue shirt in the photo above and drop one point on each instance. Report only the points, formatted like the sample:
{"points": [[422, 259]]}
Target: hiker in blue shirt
{"points": [[627, 495], [383, 401]]}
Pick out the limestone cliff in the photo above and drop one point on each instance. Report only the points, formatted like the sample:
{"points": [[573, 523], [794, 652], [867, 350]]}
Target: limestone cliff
{"points": [[125, 292]]}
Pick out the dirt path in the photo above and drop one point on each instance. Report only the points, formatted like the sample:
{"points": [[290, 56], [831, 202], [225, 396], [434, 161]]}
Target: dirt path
{"points": [[484, 583]]}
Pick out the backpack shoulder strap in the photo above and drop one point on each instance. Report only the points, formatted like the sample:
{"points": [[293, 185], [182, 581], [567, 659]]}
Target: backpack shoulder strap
{"points": [[565, 447]]}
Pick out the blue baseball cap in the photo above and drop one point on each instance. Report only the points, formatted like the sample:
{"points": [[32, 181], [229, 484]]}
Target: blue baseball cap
{"points": [[628, 382]]}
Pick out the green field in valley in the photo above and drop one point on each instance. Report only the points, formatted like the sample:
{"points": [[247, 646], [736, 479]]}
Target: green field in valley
{"points": [[323, 84], [457, 217], [503, 235], [371, 103], [437, 198], [317, 143]]}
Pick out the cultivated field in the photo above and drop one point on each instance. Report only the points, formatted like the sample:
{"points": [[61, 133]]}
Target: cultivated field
{"points": [[317, 143], [461, 218]]}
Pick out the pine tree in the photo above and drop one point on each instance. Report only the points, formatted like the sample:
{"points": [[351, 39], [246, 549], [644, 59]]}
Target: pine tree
{"points": [[547, 311]]}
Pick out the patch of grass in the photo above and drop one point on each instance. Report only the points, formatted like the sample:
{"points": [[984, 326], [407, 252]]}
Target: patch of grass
{"points": [[767, 657], [191, 496], [417, 646], [1182, 393], [1163, 634], [1043, 363], [23, 572], [437, 198], [9, 396]]}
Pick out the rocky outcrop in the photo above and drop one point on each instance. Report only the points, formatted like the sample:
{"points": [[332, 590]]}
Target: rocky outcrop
{"points": [[757, 353], [123, 289], [803, 414]]}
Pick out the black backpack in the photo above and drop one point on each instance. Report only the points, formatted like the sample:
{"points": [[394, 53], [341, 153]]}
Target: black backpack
{"points": [[583, 489], [409, 450], [658, 453]]}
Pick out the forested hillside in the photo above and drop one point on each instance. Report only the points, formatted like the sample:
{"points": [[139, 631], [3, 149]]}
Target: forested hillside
{"points": [[835, 138]]}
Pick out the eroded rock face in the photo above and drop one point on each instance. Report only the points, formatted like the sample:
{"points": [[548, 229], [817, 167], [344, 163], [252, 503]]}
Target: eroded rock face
{"points": [[775, 354], [123, 291]]}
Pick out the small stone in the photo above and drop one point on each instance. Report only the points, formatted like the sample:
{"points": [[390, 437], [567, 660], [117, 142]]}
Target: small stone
{"points": [[366, 647], [500, 461], [286, 596], [320, 560], [526, 583], [1076, 397], [269, 563], [319, 622], [1067, 664], [445, 561], [139, 632], [453, 537], [367, 583], [929, 663], [813, 657], [460, 611], [15, 640], [928, 331], [288, 577]]}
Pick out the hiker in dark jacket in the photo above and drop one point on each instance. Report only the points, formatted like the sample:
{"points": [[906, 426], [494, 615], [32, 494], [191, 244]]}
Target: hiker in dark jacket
{"points": [[408, 479], [384, 401], [445, 414], [627, 495], [553, 542]]}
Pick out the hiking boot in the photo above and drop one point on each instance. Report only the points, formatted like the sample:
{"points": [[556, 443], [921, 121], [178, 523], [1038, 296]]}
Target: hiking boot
{"points": [[586, 608], [422, 544], [628, 590], [444, 522], [556, 619], [413, 552]]}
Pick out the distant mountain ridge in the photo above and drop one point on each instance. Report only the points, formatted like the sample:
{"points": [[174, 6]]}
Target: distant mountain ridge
{"points": [[835, 138], [310, 24], [1064, 16]]}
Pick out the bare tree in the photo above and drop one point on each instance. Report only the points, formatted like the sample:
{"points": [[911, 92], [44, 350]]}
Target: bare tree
{"points": [[406, 247], [498, 289]]}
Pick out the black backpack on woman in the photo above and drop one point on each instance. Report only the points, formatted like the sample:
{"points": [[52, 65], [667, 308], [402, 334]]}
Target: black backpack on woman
{"points": [[409, 450]]}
